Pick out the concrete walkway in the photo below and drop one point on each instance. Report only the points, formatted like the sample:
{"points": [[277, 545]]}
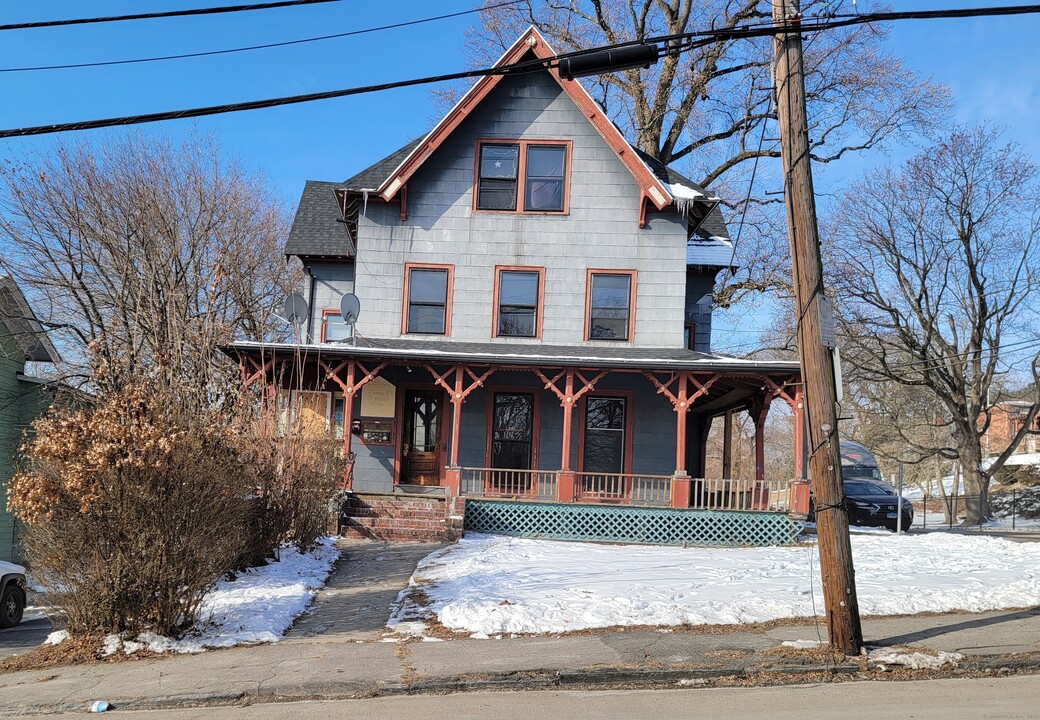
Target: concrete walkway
{"points": [[366, 581], [338, 651]]}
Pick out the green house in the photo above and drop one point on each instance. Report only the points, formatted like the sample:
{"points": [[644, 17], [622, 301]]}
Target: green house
{"points": [[22, 395]]}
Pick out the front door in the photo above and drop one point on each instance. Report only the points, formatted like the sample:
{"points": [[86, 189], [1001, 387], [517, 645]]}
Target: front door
{"points": [[420, 445]]}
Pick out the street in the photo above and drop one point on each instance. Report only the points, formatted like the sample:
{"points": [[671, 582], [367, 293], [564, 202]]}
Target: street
{"points": [[1008, 698]]}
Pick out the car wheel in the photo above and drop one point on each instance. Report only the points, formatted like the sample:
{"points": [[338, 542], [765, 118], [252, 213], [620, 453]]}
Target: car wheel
{"points": [[12, 603]]}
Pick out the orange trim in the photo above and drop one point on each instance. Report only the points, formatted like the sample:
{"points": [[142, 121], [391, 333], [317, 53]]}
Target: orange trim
{"points": [[324, 314], [540, 299], [399, 429], [631, 303], [408, 267], [404, 203], [626, 395], [531, 41], [521, 174], [536, 420]]}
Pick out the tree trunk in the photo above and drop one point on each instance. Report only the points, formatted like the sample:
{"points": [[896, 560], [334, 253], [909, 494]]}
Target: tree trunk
{"points": [[976, 483]]}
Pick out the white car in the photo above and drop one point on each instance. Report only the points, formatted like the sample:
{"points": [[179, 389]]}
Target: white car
{"points": [[12, 594]]}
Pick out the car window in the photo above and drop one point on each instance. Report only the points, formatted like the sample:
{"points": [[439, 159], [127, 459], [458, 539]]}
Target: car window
{"points": [[858, 488]]}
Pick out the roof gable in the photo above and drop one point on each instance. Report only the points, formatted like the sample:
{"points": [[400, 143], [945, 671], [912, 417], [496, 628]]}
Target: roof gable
{"points": [[20, 323], [651, 185]]}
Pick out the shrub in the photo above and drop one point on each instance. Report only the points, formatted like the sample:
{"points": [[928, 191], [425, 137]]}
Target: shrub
{"points": [[132, 510]]}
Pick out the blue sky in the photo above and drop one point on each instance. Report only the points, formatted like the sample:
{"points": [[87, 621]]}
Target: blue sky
{"points": [[990, 64]]}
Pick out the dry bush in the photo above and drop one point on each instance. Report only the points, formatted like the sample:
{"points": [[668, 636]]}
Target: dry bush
{"points": [[133, 509]]}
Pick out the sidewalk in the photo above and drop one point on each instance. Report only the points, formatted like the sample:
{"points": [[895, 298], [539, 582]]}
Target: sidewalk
{"points": [[338, 651]]}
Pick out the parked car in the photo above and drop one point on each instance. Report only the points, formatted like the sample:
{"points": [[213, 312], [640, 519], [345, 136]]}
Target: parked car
{"points": [[12, 594], [872, 504]]}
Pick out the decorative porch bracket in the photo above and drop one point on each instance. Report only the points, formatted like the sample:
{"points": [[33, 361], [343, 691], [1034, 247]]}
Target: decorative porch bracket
{"points": [[350, 387], [681, 399], [565, 486], [259, 371], [796, 401], [457, 394]]}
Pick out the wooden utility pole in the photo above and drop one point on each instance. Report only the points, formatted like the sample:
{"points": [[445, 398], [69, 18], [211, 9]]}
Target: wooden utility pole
{"points": [[832, 521]]}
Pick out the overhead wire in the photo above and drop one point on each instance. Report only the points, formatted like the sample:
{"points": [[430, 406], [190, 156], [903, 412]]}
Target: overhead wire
{"points": [[693, 40], [164, 14], [263, 46]]}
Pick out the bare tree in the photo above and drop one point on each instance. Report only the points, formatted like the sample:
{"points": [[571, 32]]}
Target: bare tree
{"points": [[712, 108], [936, 270], [145, 252]]}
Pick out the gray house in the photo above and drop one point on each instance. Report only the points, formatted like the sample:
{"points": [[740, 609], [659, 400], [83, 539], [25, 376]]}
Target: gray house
{"points": [[535, 317], [22, 396]]}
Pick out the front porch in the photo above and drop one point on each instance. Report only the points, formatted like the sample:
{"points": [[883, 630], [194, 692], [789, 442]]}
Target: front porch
{"points": [[535, 424]]}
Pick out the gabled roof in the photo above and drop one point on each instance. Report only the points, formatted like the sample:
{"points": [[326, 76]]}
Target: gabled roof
{"points": [[317, 229], [19, 321], [531, 42], [376, 174]]}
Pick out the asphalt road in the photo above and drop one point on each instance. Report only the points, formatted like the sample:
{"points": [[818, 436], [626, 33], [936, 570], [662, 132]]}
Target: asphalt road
{"points": [[1012, 698], [32, 631]]}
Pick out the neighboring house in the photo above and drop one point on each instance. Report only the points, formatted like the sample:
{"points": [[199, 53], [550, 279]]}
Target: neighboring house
{"points": [[22, 397], [1006, 421], [535, 315]]}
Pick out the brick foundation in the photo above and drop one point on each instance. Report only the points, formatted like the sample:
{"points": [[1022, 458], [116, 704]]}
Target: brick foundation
{"points": [[402, 518]]}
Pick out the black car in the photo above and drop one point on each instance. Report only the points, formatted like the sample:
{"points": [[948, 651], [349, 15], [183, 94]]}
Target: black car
{"points": [[873, 505]]}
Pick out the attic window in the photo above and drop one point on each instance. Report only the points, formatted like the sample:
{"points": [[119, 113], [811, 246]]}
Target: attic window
{"points": [[522, 176]]}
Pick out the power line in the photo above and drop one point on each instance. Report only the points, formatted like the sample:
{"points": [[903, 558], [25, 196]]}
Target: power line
{"points": [[696, 39], [106, 63], [165, 14]]}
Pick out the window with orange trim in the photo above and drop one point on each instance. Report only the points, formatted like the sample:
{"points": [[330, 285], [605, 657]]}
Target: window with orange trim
{"points": [[610, 305], [518, 302], [428, 299], [522, 176]]}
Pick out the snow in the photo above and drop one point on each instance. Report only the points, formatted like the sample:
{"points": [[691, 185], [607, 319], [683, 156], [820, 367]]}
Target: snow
{"points": [[257, 606], [57, 637], [914, 660], [488, 585], [803, 644]]}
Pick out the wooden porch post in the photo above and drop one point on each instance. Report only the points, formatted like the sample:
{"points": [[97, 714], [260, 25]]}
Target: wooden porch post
{"points": [[759, 410], [799, 434], [348, 416], [566, 484], [457, 394], [727, 445]]}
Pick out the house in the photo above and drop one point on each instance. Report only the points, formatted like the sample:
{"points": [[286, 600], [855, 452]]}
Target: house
{"points": [[23, 396], [534, 327], [1006, 421]]}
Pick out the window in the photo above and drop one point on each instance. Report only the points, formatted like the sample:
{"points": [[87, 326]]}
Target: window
{"points": [[690, 336], [333, 329], [512, 430], [604, 450], [428, 299], [526, 175], [517, 294], [610, 305]]}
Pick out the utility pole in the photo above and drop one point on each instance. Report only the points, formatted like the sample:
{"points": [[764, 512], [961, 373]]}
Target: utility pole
{"points": [[817, 363]]}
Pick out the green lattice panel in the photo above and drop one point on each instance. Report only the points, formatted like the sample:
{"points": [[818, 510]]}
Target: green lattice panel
{"points": [[651, 526]]}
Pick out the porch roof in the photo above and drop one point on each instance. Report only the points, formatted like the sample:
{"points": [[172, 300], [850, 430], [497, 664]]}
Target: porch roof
{"points": [[524, 355]]}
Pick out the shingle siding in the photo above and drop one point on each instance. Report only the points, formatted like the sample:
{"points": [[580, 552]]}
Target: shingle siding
{"points": [[600, 231]]}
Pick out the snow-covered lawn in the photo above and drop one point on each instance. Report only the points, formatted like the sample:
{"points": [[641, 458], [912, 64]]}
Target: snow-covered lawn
{"points": [[258, 606], [488, 585]]}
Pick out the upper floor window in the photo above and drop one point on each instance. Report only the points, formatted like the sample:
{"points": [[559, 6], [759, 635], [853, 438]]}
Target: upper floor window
{"points": [[527, 175], [610, 313], [518, 302], [428, 299], [333, 329]]}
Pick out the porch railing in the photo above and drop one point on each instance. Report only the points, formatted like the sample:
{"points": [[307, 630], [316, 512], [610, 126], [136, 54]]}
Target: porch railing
{"points": [[655, 490], [628, 489], [761, 495], [502, 483]]}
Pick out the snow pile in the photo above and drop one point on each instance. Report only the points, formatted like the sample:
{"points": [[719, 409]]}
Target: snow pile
{"points": [[914, 660], [803, 644], [57, 637], [258, 606], [488, 585]]}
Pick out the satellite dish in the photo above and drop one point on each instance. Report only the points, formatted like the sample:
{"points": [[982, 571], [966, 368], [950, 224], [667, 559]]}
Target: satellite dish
{"points": [[296, 308], [349, 308]]}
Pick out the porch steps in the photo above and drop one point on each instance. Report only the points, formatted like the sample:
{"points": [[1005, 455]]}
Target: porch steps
{"points": [[401, 518]]}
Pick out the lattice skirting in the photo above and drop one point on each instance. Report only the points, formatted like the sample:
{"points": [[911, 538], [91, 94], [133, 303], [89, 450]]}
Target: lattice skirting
{"points": [[651, 526]]}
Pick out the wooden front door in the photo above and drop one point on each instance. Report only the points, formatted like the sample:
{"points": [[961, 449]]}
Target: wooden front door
{"points": [[421, 460]]}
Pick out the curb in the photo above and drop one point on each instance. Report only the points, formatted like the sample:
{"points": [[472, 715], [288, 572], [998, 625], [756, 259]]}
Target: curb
{"points": [[510, 681]]}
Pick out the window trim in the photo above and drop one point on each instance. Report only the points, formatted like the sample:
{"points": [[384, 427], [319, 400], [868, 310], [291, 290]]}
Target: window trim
{"points": [[691, 328], [631, 304], [449, 295], [324, 322], [536, 425], [521, 174], [629, 397], [539, 307]]}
